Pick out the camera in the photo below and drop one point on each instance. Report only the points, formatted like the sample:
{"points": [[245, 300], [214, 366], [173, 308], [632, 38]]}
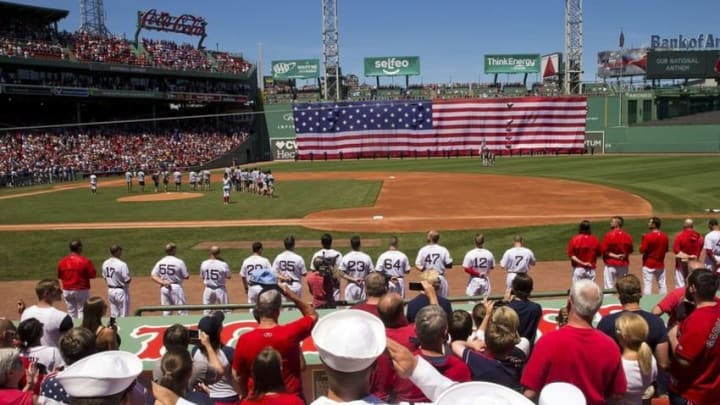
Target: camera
{"points": [[415, 286], [194, 336]]}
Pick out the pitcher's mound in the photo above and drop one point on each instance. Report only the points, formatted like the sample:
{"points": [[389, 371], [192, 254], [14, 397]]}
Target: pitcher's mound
{"points": [[159, 197]]}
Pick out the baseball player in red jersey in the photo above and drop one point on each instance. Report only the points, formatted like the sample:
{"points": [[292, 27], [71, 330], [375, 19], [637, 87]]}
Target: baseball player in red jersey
{"points": [[583, 251], [75, 272], [653, 247], [687, 245], [616, 248]]}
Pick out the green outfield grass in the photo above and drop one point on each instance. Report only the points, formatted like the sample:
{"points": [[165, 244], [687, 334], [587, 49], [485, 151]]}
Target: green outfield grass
{"points": [[672, 184]]}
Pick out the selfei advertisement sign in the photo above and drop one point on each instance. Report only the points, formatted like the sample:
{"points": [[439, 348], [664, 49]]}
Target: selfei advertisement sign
{"points": [[520, 63], [392, 66]]}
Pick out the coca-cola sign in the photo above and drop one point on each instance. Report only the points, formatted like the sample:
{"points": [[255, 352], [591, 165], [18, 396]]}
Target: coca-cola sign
{"points": [[162, 21]]}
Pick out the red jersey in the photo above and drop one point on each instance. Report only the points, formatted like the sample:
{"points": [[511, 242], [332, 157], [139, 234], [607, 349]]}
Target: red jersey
{"points": [[75, 272], [384, 377], [585, 247], [688, 241], [669, 304], [449, 365], [617, 241], [654, 245], [321, 289], [570, 355], [698, 344], [364, 306], [277, 398], [283, 338]]}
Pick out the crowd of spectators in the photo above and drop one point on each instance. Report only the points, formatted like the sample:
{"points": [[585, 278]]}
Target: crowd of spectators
{"points": [[45, 43], [28, 158]]}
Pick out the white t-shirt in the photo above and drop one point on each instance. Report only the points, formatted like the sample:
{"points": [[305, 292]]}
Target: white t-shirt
{"points": [[93, 180], [219, 386], [116, 273], [356, 264], [712, 242], [518, 260], [252, 263], [433, 257], [291, 264], [51, 318], [393, 263], [171, 268], [48, 356], [636, 382], [480, 260], [214, 273], [326, 253]]}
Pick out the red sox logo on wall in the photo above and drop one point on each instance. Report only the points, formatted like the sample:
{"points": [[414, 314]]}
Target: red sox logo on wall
{"points": [[151, 336]]}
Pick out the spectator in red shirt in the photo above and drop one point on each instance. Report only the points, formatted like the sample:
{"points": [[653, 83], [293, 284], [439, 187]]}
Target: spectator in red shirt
{"points": [[577, 353], [321, 284], [269, 386], [583, 251], [75, 272], [616, 248], [285, 339], [672, 303], [375, 287], [696, 364], [431, 328], [653, 247], [687, 245]]}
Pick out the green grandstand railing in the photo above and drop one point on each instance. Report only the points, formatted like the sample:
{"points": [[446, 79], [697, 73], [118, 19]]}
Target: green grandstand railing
{"points": [[201, 307]]}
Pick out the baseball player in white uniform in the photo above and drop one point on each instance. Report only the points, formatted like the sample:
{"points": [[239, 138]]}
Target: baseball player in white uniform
{"points": [[711, 246], [394, 264], [435, 257], [214, 272], [193, 180], [93, 183], [227, 183], [517, 259], [290, 268], [254, 262], [117, 276], [478, 263], [328, 252], [206, 180], [128, 180], [177, 176], [355, 266], [170, 272], [141, 180]]}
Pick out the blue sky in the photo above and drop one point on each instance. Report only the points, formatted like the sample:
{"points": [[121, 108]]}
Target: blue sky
{"points": [[450, 36]]}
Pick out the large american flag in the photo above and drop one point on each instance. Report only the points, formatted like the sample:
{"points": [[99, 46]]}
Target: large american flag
{"points": [[465, 127]]}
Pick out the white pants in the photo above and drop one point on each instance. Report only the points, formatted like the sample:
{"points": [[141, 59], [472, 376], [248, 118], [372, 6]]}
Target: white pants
{"points": [[296, 288], [119, 300], [510, 277], [478, 286], [612, 273], [214, 296], [253, 292], [582, 273], [173, 295], [648, 275], [679, 279], [354, 292], [444, 288], [397, 286], [75, 300]]}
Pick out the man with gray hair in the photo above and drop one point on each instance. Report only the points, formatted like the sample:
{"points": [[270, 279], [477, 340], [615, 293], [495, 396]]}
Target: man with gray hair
{"points": [[577, 353], [285, 339], [431, 329]]}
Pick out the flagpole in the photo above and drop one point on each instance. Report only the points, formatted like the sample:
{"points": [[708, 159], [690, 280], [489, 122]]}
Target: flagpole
{"points": [[622, 70]]}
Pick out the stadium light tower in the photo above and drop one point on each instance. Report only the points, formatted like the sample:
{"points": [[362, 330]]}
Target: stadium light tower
{"points": [[573, 46], [331, 50], [92, 15]]}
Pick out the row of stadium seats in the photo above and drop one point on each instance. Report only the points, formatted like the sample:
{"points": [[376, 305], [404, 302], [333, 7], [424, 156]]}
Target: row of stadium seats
{"points": [[83, 47]]}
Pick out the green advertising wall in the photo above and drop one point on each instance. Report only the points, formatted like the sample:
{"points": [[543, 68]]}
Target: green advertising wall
{"points": [[666, 139], [281, 128], [392, 66]]}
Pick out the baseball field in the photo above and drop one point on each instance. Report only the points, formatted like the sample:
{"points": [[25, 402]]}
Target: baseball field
{"points": [[542, 198]]}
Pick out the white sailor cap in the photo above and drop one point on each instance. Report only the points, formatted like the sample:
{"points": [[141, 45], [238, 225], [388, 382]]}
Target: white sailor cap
{"points": [[561, 393], [101, 374], [481, 393], [349, 340]]}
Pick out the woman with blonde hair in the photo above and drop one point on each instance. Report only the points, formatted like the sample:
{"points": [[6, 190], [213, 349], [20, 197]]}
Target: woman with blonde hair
{"points": [[637, 357], [105, 336]]}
